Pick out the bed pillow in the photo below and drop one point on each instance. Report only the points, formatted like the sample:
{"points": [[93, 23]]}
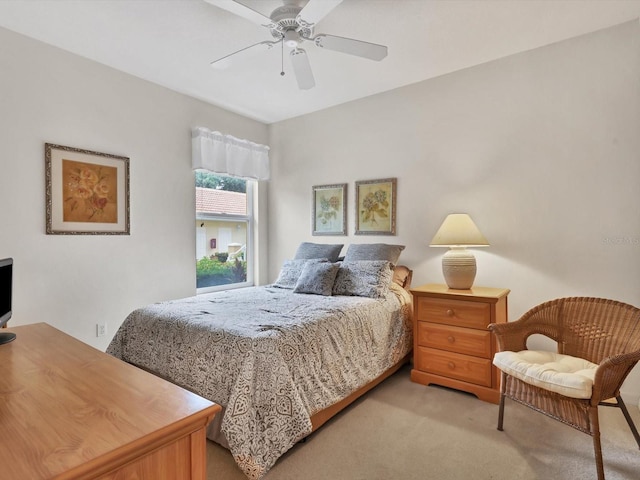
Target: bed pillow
{"points": [[373, 251], [291, 271], [317, 278], [402, 276], [365, 278], [308, 250]]}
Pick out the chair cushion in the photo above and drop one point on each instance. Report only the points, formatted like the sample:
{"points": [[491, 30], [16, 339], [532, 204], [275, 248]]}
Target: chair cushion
{"points": [[569, 376]]}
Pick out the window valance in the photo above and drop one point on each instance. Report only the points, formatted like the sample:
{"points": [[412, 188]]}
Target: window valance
{"points": [[226, 154]]}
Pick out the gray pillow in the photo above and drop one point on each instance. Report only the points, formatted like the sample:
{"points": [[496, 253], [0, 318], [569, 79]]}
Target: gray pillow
{"points": [[317, 278], [291, 270], [373, 251], [365, 278], [308, 250]]}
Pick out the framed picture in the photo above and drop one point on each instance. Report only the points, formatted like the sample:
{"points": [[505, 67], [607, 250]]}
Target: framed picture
{"points": [[376, 207], [87, 192], [329, 214]]}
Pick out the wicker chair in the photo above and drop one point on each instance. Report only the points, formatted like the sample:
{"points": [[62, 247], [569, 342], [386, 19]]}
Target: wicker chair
{"points": [[604, 332]]}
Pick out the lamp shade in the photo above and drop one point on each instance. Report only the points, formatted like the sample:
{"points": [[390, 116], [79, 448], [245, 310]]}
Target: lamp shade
{"points": [[458, 230]]}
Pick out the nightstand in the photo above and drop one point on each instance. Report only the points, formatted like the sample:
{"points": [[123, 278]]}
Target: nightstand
{"points": [[451, 343]]}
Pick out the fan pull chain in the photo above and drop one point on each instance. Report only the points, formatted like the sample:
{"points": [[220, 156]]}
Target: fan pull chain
{"points": [[282, 58]]}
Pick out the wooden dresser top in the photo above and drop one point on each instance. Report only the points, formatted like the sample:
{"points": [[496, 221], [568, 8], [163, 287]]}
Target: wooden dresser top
{"points": [[440, 290], [67, 408]]}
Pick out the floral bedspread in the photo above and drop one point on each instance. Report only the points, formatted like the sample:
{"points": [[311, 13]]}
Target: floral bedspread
{"points": [[271, 357]]}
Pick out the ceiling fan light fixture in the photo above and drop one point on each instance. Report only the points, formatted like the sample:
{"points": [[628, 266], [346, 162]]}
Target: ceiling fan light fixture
{"points": [[292, 38]]}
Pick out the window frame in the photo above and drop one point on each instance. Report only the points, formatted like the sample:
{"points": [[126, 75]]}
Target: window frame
{"points": [[249, 219]]}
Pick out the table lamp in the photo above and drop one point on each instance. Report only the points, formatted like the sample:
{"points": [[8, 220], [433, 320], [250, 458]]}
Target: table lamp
{"points": [[459, 265]]}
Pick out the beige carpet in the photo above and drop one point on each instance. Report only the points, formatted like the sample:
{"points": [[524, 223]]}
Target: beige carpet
{"points": [[403, 430]]}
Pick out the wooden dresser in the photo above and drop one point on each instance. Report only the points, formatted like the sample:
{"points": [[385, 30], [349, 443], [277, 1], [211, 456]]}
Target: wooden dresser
{"points": [[451, 343], [69, 411]]}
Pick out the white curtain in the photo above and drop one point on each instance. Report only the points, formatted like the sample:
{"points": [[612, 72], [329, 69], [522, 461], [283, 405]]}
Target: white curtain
{"points": [[225, 154]]}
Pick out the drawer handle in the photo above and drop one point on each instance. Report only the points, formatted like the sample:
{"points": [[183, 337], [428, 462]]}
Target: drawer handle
{"points": [[450, 313], [451, 339], [451, 365]]}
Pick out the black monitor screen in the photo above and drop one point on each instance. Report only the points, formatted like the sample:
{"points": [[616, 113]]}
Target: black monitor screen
{"points": [[6, 280]]}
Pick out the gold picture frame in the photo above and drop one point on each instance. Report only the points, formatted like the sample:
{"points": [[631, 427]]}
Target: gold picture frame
{"points": [[87, 193], [329, 212], [376, 207]]}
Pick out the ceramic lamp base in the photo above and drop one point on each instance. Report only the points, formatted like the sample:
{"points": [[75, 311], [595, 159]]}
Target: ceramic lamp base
{"points": [[459, 268]]}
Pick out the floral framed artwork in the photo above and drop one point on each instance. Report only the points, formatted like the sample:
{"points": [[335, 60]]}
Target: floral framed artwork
{"points": [[329, 215], [87, 193], [376, 207]]}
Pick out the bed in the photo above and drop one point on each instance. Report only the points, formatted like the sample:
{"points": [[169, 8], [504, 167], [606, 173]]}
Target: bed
{"points": [[280, 362]]}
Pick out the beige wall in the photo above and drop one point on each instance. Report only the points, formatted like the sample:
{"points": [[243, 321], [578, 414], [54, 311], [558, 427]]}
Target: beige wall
{"points": [[74, 282], [541, 149]]}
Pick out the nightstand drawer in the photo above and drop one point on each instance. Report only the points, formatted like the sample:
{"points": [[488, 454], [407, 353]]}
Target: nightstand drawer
{"points": [[454, 365], [455, 339], [454, 312]]}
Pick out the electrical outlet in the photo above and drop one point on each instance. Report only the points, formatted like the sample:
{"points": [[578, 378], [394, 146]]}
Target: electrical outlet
{"points": [[101, 329]]}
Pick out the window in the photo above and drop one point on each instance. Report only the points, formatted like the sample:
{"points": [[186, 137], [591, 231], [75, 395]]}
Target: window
{"points": [[224, 231]]}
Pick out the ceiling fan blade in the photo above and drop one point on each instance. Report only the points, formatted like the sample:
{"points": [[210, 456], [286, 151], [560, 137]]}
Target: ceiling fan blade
{"points": [[302, 69], [316, 10], [243, 54], [359, 48], [242, 11]]}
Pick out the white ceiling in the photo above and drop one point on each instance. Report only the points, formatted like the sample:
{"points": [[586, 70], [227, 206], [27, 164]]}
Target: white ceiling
{"points": [[172, 42]]}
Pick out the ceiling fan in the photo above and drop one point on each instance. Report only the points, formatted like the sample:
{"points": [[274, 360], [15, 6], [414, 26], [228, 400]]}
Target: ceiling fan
{"points": [[293, 25]]}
